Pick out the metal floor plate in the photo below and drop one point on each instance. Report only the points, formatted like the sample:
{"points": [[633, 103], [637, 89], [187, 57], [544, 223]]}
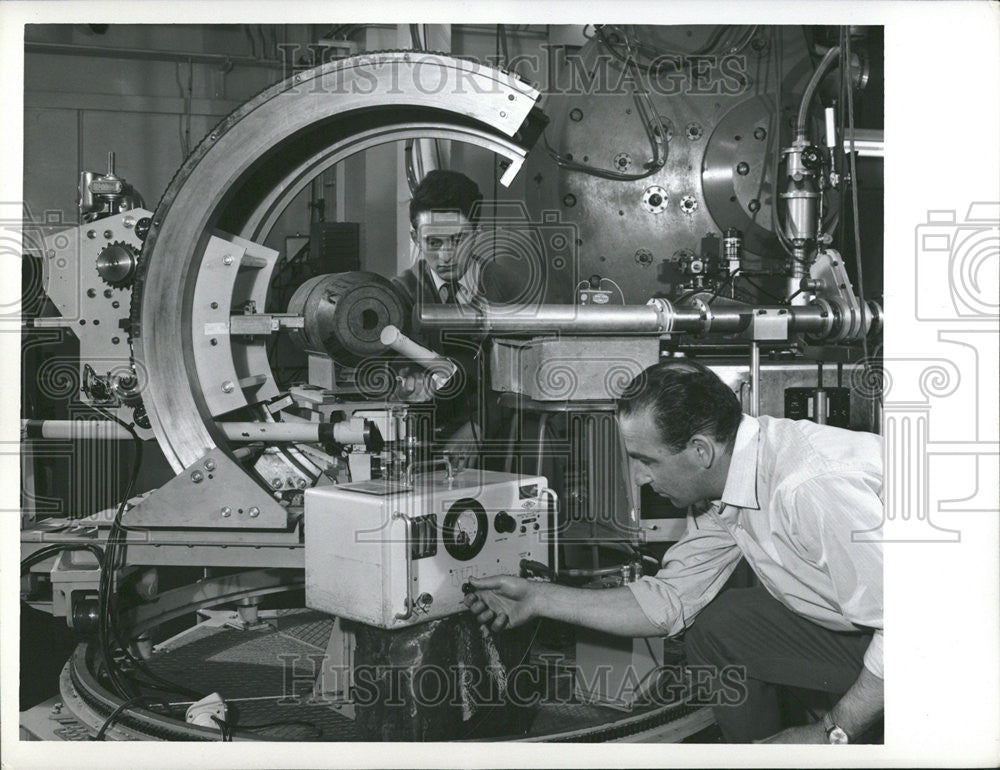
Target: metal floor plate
{"points": [[266, 676]]}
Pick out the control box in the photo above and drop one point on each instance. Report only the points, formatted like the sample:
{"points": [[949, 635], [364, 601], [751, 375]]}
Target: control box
{"points": [[392, 555]]}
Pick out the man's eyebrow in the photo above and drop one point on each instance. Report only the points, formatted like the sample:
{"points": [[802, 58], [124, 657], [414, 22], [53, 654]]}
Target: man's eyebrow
{"points": [[639, 456]]}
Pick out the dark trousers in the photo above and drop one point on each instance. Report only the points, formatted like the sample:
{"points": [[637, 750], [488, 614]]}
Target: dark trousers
{"points": [[747, 645]]}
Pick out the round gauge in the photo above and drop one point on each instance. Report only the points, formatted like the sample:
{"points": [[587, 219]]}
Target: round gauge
{"points": [[464, 529]]}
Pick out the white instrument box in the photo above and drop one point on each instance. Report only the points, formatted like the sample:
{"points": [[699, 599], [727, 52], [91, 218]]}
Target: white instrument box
{"points": [[389, 555]]}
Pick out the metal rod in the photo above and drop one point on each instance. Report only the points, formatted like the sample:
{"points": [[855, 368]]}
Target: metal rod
{"points": [[754, 379], [72, 49], [659, 319]]}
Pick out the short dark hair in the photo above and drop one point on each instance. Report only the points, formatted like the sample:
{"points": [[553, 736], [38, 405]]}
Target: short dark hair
{"points": [[442, 190], [685, 398]]}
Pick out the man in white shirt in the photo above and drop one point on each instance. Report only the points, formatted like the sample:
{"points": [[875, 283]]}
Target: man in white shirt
{"points": [[793, 498]]}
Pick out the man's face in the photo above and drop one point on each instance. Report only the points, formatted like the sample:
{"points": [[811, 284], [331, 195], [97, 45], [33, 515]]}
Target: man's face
{"points": [[677, 476], [445, 240]]}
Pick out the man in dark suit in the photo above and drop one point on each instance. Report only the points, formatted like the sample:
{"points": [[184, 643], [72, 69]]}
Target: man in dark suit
{"points": [[444, 218]]}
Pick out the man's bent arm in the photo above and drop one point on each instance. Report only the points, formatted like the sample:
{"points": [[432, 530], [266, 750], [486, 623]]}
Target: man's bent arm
{"points": [[612, 610]]}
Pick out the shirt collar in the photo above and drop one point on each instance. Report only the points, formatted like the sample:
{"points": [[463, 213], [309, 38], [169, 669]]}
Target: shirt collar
{"points": [[469, 282], [741, 481]]}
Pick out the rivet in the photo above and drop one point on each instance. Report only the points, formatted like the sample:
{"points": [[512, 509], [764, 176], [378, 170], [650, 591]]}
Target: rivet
{"points": [[228, 387]]}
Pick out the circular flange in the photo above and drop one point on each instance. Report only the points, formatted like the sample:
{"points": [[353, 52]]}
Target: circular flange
{"points": [[248, 168], [654, 199]]}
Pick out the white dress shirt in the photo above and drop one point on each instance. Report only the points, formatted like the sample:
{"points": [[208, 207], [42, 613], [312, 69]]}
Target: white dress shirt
{"points": [[467, 287], [795, 494]]}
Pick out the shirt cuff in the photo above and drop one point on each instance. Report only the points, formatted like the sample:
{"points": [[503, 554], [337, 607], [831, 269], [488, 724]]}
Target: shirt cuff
{"points": [[655, 605], [873, 655]]}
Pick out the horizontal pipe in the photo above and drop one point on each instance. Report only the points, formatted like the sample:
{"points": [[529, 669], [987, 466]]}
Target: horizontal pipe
{"points": [[74, 430], [620, 319], [344, 432], [146, 54]]}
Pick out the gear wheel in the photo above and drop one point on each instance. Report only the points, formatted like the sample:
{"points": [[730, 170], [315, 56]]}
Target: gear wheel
{"points": [[116, 264]]}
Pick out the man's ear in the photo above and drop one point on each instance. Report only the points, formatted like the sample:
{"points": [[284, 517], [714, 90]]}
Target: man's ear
{"points": [[705, 451], [413, 234]]}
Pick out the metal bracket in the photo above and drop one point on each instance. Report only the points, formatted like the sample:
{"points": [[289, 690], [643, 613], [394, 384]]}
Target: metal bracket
{"points": [[212, 492]]}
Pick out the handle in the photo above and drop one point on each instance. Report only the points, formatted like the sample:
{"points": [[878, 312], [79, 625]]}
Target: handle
{"points": [[408, 551], [554, 529]]}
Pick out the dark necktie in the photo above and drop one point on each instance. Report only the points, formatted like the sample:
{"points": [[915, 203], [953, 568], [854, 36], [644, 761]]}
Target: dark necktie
{"points": [[450, 290]]}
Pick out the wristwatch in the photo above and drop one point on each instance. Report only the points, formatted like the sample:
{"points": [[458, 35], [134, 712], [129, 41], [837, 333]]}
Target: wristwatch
{"points": [[834, 733]]}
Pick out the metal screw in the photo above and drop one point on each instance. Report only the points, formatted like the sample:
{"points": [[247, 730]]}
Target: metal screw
{"points": [[503, 114], [510, 97], [227, 512], [228, 259], [228, 387], [91, 293], [107, 293], [210, 464], [213, 341], [760, 133], [754, 205], [742, 168], [197, 476], [108, 234], [254, 513], [214, 306], [276, 482]]}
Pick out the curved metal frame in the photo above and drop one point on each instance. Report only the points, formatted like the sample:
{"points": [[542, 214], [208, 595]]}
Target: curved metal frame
{"points": [[230, 182]]}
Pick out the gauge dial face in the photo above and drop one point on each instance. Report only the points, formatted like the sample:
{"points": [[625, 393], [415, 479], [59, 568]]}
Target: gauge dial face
{"points": [[465, 528]]}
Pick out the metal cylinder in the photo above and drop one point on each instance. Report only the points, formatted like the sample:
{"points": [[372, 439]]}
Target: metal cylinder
{"points": [[754, 379], [345, 314], [664, 318]]}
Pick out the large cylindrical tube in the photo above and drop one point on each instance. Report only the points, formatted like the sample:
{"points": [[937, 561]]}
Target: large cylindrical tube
{"points": [[818, 319]]}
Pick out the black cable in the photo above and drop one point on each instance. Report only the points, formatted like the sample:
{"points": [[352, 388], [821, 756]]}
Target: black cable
{"points": [[762, 290], [108, 630], [657, 139], [846, 64], [44, 553], [127, 704]]}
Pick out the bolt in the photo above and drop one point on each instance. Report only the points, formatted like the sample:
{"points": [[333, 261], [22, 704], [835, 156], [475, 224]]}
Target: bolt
{"points": [[227, 512], [228, 259], [214, 306], [115, 340], [760, 133], [254, 513], [197, 477], [128, 222], [91, 293], [209, 464], [742, 168], [754, 205], [213, 342], [301, 484], [108, 234], [228, 387], [91, 234], [276, 482], [116, 304]]}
